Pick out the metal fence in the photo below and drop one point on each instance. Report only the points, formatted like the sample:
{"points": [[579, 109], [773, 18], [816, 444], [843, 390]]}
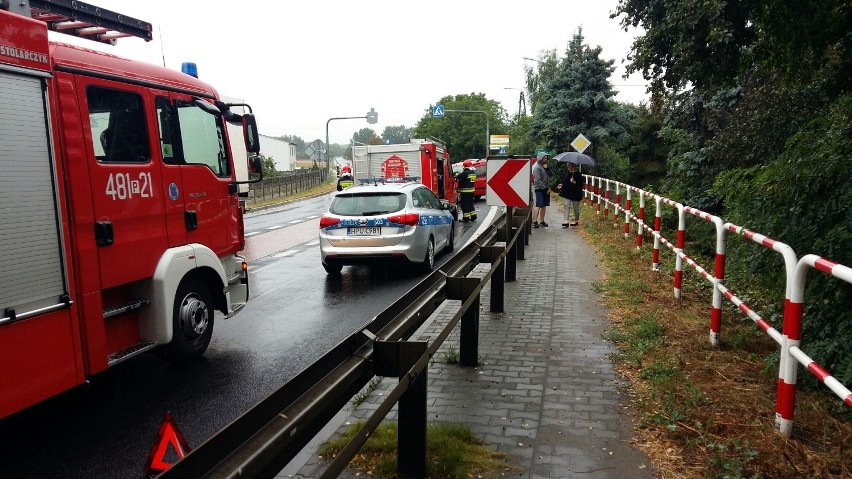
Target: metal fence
{"points": [[262, 441], [597, 193], [290, 183]]}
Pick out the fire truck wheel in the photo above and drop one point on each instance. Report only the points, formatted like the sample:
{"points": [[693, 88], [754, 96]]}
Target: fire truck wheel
{"points": [[429, 261], [193, 320]]}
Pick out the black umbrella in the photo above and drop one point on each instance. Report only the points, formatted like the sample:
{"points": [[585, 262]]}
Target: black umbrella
{"points": [[574, 157]]}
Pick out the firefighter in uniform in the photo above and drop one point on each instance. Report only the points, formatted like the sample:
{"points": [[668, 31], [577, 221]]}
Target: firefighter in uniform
{"points": [[345, 180], [466, 179]]}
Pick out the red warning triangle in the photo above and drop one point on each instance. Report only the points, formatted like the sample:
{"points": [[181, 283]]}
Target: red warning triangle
{"points": [[168, 434]]}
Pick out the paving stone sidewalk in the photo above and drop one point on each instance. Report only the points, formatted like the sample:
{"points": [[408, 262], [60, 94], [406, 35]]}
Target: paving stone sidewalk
{"points": [[545, 391]]}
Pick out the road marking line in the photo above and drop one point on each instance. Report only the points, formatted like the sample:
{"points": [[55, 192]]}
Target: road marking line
{"points": [[313, 243], [294, 222], [275, 227], [286, 253], [252, 233], [312, 217]]}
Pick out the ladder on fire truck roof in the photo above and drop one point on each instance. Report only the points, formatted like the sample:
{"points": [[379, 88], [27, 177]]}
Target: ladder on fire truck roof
{"points": [[83, 20]]}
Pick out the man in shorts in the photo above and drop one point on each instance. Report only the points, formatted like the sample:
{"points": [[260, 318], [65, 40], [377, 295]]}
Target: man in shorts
{"points": [[540, 185]]}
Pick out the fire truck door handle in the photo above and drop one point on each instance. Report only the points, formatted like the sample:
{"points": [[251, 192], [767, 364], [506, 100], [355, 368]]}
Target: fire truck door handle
{"points": [[103, 233], [190, 219]]}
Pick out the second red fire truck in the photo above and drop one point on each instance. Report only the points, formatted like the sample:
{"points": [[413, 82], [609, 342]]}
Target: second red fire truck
{"points": [[426, 159], [118, 204]]}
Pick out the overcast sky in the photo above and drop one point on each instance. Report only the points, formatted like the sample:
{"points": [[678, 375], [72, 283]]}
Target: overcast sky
{"points": [[299, 63]]}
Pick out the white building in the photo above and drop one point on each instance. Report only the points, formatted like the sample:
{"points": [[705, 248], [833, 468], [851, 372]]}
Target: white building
{"points": [[283, 153]]}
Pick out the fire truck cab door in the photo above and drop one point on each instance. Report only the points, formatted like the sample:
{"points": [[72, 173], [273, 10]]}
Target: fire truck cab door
{"points": [[201, 206], [125, 174]]}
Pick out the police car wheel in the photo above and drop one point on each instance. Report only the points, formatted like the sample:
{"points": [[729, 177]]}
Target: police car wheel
{"points": [[332, 268], [429, 261], [192, 320], [451, 243]]}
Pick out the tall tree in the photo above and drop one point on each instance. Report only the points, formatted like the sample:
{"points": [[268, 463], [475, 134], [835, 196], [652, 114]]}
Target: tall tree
{"points": [[577, 100], [709, 43], [539, 74], [646, 150], [367, 136], [463, 128], [364, 136], [396, 134], [520, 143], [300, 143]]}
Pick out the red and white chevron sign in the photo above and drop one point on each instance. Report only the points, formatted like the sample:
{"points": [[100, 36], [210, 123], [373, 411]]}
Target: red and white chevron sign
{"points": [[507, 182]]}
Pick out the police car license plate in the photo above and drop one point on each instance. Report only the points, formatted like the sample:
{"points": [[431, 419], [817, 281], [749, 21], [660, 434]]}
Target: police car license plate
{"points": [[364, 231]]}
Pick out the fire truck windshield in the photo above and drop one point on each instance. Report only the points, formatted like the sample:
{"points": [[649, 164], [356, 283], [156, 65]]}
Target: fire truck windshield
{"points": [[203, 138]]}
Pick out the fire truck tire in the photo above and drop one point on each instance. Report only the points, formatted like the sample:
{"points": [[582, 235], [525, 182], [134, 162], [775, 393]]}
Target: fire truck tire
{"points": [[192, 320], [429, 261]]}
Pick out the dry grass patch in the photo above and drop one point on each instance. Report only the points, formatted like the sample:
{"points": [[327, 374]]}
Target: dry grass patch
{"points": [[704, 411]]}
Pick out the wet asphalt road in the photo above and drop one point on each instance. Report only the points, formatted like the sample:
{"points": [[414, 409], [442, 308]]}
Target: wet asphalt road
{"points": [[296, 314]]}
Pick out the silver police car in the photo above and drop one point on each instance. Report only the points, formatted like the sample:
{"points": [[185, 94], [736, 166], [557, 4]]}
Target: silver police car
{"points": [[384, 220]]}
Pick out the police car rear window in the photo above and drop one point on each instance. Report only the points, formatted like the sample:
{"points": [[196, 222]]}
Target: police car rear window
{"points": [[367, 204]]}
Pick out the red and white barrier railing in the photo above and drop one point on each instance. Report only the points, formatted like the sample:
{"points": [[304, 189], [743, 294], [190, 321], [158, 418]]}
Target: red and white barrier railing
{"points": [[793, 336], [795, 272]]}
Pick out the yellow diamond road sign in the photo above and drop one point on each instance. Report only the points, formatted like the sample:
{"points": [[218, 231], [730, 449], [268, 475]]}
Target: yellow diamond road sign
{"points": [[581, 143]]}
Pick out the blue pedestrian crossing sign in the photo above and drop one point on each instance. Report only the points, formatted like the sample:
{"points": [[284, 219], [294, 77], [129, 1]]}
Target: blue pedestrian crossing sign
{"points": [[438, 111]]}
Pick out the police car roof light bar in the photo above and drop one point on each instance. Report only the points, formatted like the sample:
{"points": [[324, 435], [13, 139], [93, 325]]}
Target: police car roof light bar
{"points": [[389, 179]]}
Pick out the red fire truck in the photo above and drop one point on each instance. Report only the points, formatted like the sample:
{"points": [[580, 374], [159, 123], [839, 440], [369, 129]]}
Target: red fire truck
{"points": [[427, 159], [118, 204]]}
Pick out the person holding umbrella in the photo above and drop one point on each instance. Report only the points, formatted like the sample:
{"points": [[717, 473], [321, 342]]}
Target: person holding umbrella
{"points": [[570, 189]]}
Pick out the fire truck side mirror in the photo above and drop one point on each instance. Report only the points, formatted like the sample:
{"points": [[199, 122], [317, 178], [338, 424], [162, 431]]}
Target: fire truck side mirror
{"points": [[207, 106], [255, 165], [250, 134]]}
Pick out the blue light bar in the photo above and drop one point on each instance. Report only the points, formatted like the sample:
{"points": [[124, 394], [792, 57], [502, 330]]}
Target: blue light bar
{"points": [[189, 68]]}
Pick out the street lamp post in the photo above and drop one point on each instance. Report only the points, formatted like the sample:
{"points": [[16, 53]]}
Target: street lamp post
{"points": [[372, 117], [521, 100]]}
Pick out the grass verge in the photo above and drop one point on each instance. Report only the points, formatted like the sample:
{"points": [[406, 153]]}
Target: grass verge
{"points": [[326, 187], [704, 411], [452, 451]]}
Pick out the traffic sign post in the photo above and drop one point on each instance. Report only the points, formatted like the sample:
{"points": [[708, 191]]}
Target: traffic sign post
{"points": [[580, 143], [507, 182], [372, 117]]}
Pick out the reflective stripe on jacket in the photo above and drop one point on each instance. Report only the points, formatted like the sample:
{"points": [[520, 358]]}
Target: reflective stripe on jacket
{"points": [[344, 182], [466, 180]]}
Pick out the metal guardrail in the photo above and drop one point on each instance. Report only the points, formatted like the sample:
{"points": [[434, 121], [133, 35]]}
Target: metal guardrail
{"points": [[262, 441], [289, 183]]}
